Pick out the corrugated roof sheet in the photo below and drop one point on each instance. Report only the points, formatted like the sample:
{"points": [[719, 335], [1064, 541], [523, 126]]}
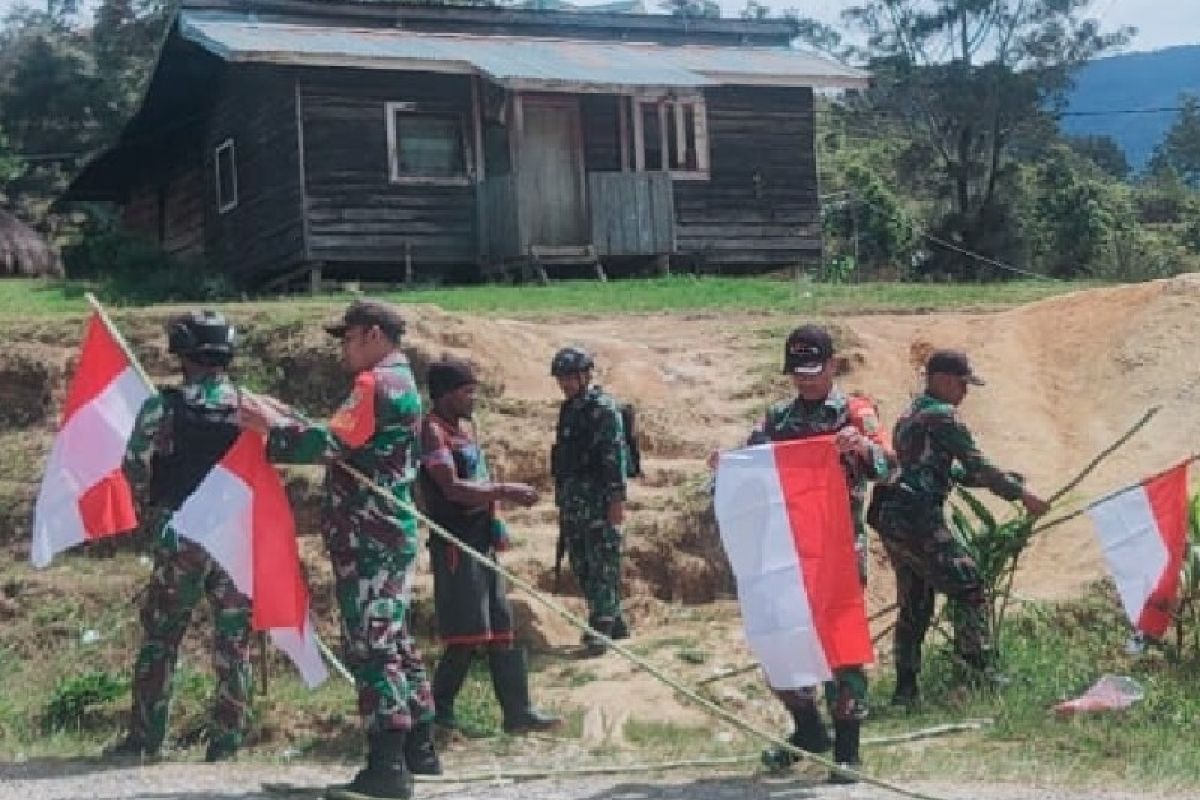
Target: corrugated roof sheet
{"points": [[515, 62]]}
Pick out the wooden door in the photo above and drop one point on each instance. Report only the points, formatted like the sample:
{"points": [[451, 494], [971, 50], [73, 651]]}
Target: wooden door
{"points": [[550, 173]]}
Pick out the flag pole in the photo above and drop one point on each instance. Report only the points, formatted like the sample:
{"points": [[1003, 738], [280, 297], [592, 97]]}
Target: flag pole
{"points": [[113, 331], [121, 341]]}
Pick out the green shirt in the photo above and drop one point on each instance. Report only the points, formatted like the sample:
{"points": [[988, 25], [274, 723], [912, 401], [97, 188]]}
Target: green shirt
{"points": [[936, 451]]}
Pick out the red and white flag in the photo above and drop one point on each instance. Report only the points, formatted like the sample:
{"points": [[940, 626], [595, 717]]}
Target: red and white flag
{"points": [[1143, 532], [241, 516], [784, 514], [84, 495]]}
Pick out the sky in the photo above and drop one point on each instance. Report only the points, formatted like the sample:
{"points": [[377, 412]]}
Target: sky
{"points": [[1161, 23]]}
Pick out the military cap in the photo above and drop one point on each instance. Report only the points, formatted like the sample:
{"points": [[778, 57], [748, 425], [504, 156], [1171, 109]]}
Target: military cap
{"points": [[367, 314], [952, 362], [806, 350]]}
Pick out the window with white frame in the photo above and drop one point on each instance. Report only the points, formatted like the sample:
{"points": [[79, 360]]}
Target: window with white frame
{"points": [[670, 134], [424, 146], [225, 164]]}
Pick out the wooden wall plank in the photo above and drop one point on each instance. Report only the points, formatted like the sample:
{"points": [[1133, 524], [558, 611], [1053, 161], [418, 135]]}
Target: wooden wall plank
{"points": [[760, 205]]}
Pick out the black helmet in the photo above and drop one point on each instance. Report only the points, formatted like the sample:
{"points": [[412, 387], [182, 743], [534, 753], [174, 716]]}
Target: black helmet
{"points": [[205, 337], [570, 360]]}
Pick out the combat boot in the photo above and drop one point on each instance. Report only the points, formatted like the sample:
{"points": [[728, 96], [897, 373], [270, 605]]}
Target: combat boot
{"points": [[620, 629], [131, 748], [510, 680], [448, 679], [594, 646], [222, 748], [386, 776], [420, 756], [907, 693], [846, 734], [809, 735]]}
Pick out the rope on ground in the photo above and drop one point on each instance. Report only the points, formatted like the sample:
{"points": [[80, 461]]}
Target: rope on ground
{"points": [[707, 705], [497, 776]]}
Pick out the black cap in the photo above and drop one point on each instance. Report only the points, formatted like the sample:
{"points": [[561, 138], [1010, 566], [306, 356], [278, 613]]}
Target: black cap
{"points": [[951, 362], [806, 351], [368, 314], [449, 374]]}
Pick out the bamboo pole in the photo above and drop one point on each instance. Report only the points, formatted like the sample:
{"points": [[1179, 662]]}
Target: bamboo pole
{"points": [[497, 776], [707, 705]]}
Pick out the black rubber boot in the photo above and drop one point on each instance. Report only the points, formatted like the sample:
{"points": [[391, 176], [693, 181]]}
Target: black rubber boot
{"points": [[845, 749], [620, 629], [510, 679], [448, 679], [594, 646], [908, 693], [419, 753], [386, 776]]}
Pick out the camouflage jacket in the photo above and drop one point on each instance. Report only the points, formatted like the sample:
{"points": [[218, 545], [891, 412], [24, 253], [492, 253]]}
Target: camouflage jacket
{"points": [[374, 430], [153, 436], [936, 450], [796, 419], [589, 454]]}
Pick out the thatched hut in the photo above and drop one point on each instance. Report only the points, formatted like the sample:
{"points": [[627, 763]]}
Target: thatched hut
{"points": [[23, 252]]}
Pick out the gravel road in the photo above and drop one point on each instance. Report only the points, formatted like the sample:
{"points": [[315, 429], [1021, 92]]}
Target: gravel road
{"points": [[70, 780]]}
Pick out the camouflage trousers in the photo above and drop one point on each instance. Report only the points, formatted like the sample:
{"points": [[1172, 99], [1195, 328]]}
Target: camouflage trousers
{"points": [[181, 577], [372, 575], [845, 695], [594, 552], [928, 559]]}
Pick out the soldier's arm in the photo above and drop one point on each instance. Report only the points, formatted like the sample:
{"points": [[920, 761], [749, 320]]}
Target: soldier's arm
{"points": [[147, 431], [762, 431], [609, 447], [974, 468], [878, 458], [297, 440]]}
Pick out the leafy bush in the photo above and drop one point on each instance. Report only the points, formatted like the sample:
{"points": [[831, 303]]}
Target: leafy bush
{"points": [[1187, 618], [78, 694], [126, 268]]}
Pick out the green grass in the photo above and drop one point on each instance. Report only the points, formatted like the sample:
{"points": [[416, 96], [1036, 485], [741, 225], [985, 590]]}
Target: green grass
{"points": [[1054, 653], [684, 293]]}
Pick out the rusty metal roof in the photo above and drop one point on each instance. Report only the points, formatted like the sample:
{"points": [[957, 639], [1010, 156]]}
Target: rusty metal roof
{"points": [[516, 62]]}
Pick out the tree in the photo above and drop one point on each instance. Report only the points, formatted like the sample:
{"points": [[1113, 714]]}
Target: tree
{"points": [[1180, 148], [1104, 152], [1075, 215], [755, 10], [691, 8], [67, 87], [968, 80]]}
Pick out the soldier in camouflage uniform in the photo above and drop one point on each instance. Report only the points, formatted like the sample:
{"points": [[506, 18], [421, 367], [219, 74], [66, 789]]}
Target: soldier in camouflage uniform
{"points": [[179, 435], [371, 542], [590, 463], [936, 451], [821, 408]]}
